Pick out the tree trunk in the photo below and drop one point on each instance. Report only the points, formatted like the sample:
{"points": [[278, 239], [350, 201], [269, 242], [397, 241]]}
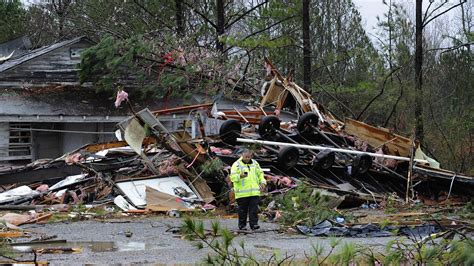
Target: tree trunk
{"points": [[220, 24], [306, 47], [60, 12], [419, 71], [179, 17], [390, 28]]}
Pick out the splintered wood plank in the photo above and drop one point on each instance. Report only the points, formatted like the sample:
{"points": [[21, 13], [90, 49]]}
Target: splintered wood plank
{"points": [[182, 109], [103, 146], [11, 234], [378, 136], [273, 95]]}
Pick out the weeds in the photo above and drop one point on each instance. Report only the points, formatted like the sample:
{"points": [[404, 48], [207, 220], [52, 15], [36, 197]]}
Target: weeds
{"points": [[387, 222], [5, 250], [220, 241], [392, 204], [436, 249], [430, 251], [467, 211]]}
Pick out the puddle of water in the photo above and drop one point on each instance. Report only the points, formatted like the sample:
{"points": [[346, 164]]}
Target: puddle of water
{"points": [[93, 246]]}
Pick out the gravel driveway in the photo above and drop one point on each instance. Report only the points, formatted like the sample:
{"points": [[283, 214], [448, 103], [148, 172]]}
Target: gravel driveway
{"points": [[151, 242]]}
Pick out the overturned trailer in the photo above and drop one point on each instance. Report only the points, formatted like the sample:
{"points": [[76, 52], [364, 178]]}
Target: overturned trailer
{"points": [[299, 137], [292, 136]]}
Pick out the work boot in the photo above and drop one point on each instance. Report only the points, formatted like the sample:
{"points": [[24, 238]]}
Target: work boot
{"points": [[242, 228], [255, 227]]}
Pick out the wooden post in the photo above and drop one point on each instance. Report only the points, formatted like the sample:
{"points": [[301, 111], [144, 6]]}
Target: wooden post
{"points": [[410, 166]]}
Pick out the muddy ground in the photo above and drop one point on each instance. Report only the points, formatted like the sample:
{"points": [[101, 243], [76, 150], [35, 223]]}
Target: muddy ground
{"points": [[154, 242]]}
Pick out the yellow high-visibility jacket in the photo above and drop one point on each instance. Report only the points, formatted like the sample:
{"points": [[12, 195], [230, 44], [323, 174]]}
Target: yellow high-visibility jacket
{"points": [[250, 185]]}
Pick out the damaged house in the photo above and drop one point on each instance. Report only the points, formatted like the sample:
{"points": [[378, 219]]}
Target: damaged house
{"points": [[46, 112]]}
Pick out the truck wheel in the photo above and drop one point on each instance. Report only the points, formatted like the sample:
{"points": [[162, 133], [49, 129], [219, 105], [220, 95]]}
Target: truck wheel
{"points": [[268, 127], [324, 159], [288, 157], [306, 122], [361, 164], [230, 131]]}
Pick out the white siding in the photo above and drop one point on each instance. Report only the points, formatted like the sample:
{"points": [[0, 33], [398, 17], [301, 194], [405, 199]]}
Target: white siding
{"points": [[4, 139], [72, 141]]}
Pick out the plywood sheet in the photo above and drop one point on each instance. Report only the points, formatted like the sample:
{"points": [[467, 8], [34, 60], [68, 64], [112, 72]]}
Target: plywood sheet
{"points": [[159, 201], [378, 136]]}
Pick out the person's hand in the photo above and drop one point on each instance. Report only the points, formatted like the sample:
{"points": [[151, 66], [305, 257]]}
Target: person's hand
{"points": [[262, 187]]}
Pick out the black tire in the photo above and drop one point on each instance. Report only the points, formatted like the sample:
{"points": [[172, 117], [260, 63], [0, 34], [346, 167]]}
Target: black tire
{"points": [[325, 159], [288, 157], [269, 125], [361, 164], [229, 131], [306, 122]]}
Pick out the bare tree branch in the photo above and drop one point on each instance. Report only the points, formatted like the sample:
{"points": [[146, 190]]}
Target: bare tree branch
{"points": [[337, 100], [462, 2], [201, 15], [394, 107], [441, 131], [152, 15], [428, 14], [379, 94], [229, 24], [452, 48], [267, 28]]}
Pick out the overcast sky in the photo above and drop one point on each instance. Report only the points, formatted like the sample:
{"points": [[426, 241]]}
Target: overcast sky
{"points": [[369, 10]]}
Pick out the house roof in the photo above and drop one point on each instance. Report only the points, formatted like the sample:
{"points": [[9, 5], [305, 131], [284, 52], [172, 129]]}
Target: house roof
{"points": [[15, 47], [73, 101], [13, 62]]}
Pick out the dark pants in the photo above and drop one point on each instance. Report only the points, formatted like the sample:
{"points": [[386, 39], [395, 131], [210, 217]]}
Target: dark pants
{"points": [[248, 205]]}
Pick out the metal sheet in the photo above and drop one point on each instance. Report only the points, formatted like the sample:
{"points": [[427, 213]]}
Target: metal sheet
{"points": [[17, 193], [136, 190], [134, 135]]}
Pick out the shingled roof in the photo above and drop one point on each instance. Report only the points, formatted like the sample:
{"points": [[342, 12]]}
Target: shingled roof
{"points": [[13, 62]]}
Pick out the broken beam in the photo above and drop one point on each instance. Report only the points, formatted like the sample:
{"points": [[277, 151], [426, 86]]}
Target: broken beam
{"points": [[182, 109]]}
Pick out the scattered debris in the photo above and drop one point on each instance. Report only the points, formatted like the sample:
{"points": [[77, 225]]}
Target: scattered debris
{"points": [[151, 168], [335, 229]]}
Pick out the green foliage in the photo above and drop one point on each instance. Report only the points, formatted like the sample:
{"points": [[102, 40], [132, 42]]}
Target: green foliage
{"points": [[430, 251], [392, 204], [433, 250], [387, 222], [5, 250], [347, 254], [219, 240], [59, 217], [348, 68], [467, 211], [150, 68], [212, 167], [304, 204], [12, 20], [111, 61]]}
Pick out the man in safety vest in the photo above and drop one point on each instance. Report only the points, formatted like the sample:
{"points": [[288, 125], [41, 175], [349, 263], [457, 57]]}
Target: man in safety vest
{"points": [[248, 180]]}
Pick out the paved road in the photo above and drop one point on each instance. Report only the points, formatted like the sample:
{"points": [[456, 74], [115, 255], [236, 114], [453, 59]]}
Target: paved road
{"points": [[153, 243]]}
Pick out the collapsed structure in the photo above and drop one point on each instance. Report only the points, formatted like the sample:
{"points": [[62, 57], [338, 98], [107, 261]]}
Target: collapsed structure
{"points": [[152, 167]]}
